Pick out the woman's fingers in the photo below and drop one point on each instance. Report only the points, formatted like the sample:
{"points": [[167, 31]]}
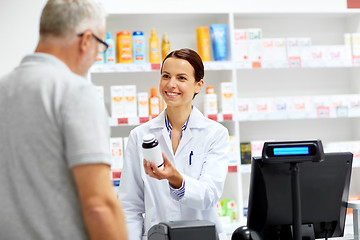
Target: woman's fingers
{"points": [[151, 169]]}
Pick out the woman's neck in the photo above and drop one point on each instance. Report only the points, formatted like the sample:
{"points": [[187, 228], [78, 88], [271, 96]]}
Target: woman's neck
{"points": [[178, 115]]}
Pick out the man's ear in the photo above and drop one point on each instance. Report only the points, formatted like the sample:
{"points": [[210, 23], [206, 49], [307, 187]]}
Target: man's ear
{"points": [[85, 41]]}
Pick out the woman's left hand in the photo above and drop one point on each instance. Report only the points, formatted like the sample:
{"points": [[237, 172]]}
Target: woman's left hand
{"points": [[168, 172]]}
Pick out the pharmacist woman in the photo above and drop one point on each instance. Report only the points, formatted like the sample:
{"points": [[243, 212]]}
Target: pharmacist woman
{"points": [[195, 153]]}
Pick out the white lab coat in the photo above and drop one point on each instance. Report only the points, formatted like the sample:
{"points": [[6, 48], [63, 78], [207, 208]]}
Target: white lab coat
{"points": [[204, 178]]}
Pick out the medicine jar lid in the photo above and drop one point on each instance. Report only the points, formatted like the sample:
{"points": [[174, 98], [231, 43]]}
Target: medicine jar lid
{"points": [[148, 138]]}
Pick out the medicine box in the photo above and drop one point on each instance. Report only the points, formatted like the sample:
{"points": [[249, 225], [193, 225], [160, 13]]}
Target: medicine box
{"points": [[255, 46], [300, 107], [355, 46], [143, 104], [321, 106], [240, 45], [256, 148], [227, 98], [254, 33], [245, 149], [339, 106], [116, 149], [263, 107], [274, 53], [347, 42], [298, 51], [337, 55], [210, 104], [233, 151], [354, 105], [117, 101], [130, 103], [280, 108]]}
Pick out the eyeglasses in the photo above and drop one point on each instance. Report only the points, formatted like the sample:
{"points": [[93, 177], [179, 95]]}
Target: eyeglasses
{"points": [[102, 47]]}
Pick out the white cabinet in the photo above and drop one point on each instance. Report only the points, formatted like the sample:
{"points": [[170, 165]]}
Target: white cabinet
{"points": [[323, 27]]}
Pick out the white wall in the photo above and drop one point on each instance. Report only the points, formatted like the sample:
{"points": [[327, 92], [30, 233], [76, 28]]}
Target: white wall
{"points": [[171, 6], [19, 24], [19, 19]]}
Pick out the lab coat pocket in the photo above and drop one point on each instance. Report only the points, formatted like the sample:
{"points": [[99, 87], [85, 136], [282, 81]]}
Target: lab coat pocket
{"points": [[195, 165]]}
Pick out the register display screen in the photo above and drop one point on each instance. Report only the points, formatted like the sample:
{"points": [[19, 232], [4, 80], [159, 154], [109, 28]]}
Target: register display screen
{"points": [[293, 151], [280, 151], [300, 150]]}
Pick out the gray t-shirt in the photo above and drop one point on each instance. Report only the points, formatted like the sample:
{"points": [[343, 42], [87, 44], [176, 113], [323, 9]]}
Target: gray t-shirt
{"points": [[50, 121]]}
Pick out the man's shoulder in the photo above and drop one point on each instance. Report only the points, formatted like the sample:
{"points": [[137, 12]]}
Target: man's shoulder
{"points": [[50, 67], [4, 77]]}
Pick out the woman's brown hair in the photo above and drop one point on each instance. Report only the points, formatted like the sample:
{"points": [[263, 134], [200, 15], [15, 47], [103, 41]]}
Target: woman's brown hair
{"points": [[192, 57]]}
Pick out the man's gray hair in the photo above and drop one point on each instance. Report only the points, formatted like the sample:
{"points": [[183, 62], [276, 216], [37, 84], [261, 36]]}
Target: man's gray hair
{"points": [[64, 18]]}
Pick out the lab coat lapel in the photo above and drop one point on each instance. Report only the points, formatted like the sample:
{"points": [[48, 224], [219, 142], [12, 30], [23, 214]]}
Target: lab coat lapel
{"points": [[186, 137], [158, 124], [167, 140], [196, 120]]}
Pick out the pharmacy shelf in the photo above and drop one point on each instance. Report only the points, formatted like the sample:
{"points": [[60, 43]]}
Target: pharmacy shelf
{"points": [[128, 121], [135, 121], [338, 13], [119, 68], [151, 67], [344, 63], [279, 116], [217, 66], [221, 117]]}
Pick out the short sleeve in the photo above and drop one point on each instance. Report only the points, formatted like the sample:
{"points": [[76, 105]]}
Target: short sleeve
{"points": [[85, 126]]}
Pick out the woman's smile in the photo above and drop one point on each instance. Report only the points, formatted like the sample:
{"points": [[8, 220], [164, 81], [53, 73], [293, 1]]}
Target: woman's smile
{"points": [[172, 94]]}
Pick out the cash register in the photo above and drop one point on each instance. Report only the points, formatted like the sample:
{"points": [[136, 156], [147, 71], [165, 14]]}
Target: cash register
{"points": [[297, 192], [183, 230]]}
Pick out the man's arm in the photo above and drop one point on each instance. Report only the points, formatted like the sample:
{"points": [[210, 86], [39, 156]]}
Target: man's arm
{"points": [[101, 210]]}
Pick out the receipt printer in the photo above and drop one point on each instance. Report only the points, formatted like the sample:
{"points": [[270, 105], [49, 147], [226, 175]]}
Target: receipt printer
{"points": [[181, 230]]}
